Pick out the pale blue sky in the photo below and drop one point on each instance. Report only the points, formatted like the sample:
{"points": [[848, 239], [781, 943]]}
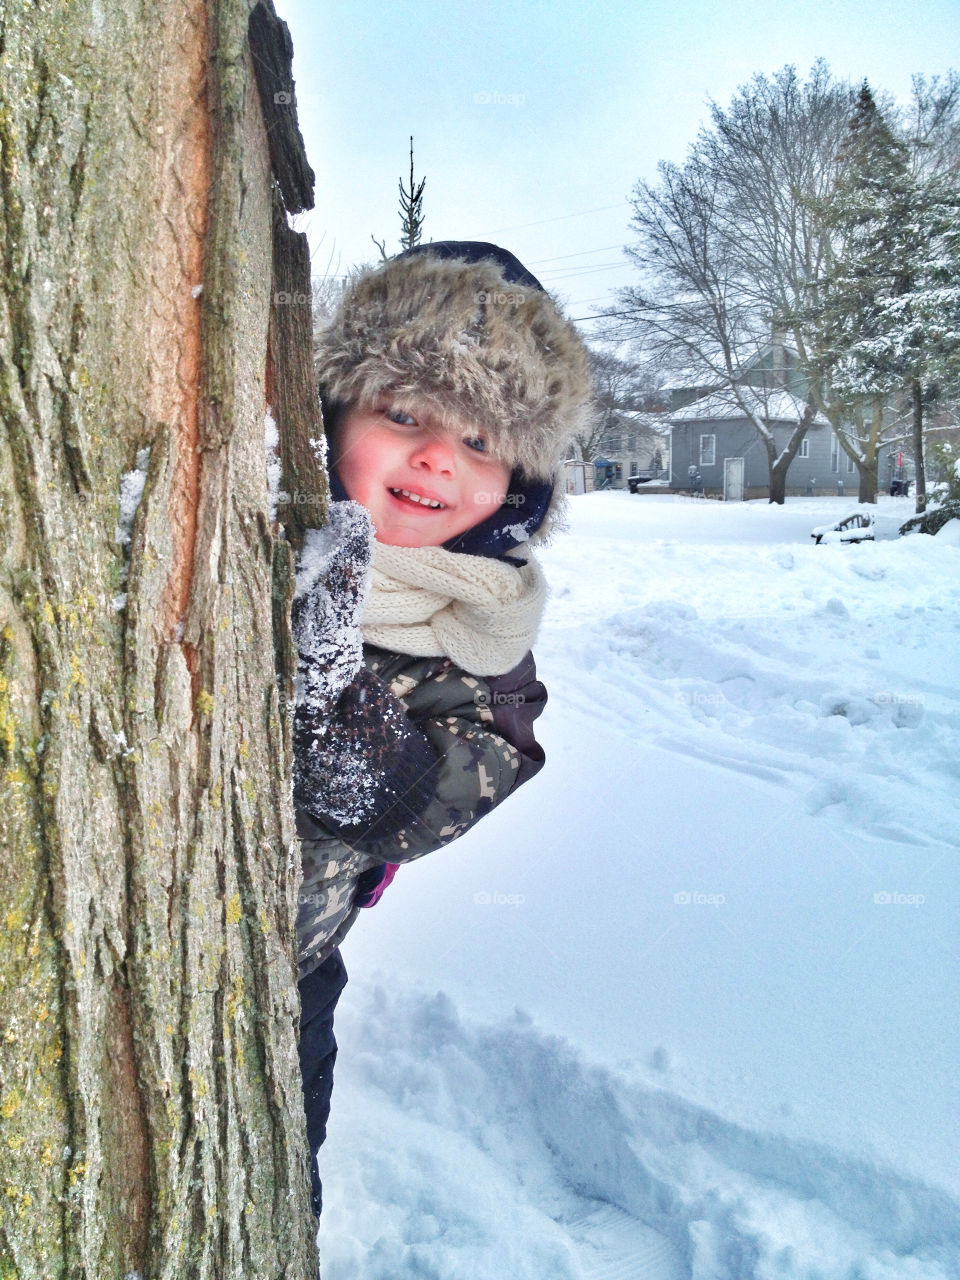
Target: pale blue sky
{"points": [[533, 121]]}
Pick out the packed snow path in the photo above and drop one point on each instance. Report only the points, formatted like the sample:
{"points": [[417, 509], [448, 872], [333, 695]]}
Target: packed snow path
{"points": [[726, 910]]}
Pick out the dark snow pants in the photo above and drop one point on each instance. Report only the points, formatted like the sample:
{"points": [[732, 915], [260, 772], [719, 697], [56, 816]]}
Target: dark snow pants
{"points": [[319, 992]]}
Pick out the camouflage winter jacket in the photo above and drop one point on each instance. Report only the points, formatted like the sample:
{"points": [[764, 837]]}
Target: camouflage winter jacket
{"points": [[477, 732]]}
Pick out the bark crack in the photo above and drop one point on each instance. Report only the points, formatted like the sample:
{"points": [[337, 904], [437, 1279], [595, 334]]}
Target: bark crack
{"points": [[185, 161]]}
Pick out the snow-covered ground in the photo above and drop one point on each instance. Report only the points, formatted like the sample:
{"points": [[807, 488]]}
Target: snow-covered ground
{"points": [[686, 1005]]}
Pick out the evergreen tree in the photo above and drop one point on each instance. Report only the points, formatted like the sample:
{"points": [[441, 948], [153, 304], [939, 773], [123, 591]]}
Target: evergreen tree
{"points": [[411, 213], [411, 207], [890, 302], [872, 212]]}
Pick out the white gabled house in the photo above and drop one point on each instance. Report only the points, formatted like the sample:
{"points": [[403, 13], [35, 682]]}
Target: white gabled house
{"points": [[637, 443]]}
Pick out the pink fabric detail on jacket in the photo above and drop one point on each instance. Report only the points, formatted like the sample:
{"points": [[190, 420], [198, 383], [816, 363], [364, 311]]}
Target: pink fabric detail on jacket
{"points": [[390, 870]]}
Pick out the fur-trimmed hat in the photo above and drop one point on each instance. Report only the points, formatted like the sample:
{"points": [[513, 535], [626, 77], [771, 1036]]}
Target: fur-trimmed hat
{"points": [[465, 326]]}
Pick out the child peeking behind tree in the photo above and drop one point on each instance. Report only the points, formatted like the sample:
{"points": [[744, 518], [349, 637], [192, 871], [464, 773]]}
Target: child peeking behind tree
{"points": [[451, 387]]}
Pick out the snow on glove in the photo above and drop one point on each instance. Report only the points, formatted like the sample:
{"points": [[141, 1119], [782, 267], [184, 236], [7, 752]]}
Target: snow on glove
{"points": [[363, 769], [333, 582], [357, 758]]}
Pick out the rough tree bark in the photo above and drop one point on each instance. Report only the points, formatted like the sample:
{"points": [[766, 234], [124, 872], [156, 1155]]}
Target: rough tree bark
{"points": [[151, 1120]]}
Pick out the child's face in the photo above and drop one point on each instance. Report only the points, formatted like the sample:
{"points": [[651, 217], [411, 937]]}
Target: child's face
{"points": [[387, 459]]}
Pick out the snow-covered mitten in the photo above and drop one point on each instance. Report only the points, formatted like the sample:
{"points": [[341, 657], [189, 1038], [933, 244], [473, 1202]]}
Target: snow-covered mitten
{"points": [[358, 761], [364, 769], [333, 582]]}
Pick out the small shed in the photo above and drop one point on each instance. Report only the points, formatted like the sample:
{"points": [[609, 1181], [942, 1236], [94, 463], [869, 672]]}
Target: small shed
{"points": [[578, 476]]}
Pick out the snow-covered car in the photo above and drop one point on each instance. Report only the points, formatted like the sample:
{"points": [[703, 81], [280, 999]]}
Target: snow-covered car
{"points": [[853, 528]]}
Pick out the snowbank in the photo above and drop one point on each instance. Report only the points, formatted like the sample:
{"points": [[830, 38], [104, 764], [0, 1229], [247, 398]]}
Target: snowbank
{"points": [[727, 909]]}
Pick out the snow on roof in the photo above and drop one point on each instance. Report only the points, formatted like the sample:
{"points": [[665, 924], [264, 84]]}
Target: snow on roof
{"points": [[706, 375], [690, 379], [659, 422], [722, 406]]}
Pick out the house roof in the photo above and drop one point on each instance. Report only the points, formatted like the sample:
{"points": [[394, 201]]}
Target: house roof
{"points": [[722, 406], [693, 378], [690, 379], [641, 419]]}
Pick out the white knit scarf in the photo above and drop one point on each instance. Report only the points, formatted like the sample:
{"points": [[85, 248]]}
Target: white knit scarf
{"points": [[481, 613]]}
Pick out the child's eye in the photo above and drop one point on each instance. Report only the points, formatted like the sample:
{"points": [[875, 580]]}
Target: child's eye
{"points": [[476, 442], [398, 416]]}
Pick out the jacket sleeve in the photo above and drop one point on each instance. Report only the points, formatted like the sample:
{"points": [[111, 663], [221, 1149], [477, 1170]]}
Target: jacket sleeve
{"points": [[481, 731]]}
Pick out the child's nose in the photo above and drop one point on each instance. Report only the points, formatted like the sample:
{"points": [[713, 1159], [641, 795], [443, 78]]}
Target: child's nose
{"points": [[435, 454]]}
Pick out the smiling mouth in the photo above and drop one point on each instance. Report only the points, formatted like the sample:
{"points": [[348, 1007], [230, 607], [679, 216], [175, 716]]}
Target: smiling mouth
{"points": [[430, 503]]}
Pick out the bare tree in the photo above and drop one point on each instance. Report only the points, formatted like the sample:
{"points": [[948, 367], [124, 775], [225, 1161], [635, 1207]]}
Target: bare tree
{"points": [[783, 157], [776, 153], [930, 124], [623, 390], [153, 300], [726, 245], [727, 248]]}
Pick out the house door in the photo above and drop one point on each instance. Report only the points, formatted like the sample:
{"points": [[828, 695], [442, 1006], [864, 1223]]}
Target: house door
{"points": [[733, 479]]}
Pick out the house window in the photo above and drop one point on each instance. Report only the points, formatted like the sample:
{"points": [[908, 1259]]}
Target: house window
{"points": [[631, 442], [834, 454], [851, 465], [613, 444], [708, 451], [804, 448]]}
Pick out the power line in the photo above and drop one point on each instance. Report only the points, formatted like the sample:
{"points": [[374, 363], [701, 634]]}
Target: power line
{"points": [[601, 297], [521, 225], [581, 254], [600, 315], [571, 273]]}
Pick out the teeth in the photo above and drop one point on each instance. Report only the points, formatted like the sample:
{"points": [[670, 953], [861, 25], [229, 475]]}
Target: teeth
{"points": [[424, 502]]}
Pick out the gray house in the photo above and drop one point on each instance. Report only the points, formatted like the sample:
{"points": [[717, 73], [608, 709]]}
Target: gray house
{"points": [[714, 436], [714, 445]]}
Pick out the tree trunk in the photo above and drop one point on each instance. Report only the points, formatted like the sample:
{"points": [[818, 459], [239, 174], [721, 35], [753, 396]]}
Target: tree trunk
{"points": [[778, 483], [779, 466], [868, 462], [869, 481], [916, 403], [151, 1118]]}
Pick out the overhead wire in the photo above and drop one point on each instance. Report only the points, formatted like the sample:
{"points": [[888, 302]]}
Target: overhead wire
{"points": [[520, 226], [574, 273], [583, 252]]}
